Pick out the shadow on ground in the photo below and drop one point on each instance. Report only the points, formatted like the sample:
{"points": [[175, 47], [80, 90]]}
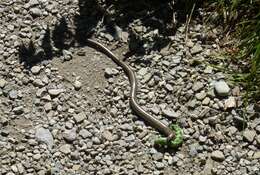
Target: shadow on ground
{"points": [[163, 15]]}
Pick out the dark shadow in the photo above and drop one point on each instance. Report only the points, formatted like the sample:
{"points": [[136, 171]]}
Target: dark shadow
{"points": [[90, 13], [46, 44], [28, 54], [62, 37], [153, 14]]}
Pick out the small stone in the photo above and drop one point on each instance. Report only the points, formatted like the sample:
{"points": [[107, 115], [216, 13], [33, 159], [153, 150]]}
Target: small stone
{"points": [[190, 44], [37, 156], [35, 12], [48, 107], [206, 101], [55, 92], [18, 110], [108, 135], [230, 103], [70, 135], [159, 165], [197, 86], [142, 71], [109, 72], [196, 49], [169, 87], [222, 88], [80, 117], [45, 136], [77, 85], [217, 155], [208, 70], [258, 140], [202, 139], [13, 94], [36, 69], [33, 3], [2, 83], [249, 135], [38, 82], [65, 149], [201, 95], [256, 155], [236, 91], [170, 113], [85, 133]]}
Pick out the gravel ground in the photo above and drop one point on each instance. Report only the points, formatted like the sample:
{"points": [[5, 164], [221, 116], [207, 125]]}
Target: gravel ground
{"points": [[70, 115]]}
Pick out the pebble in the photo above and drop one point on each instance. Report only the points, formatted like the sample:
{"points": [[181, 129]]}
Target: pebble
{"points": [[66, 149], [230, 103], [197, 86], [18, 110], [80, 117], [256, 155], [36, 70], [45, 136], [70, 135], [258, 140], [108, 135], [55, 92], [249, 135], [36, 12], [218, 156], [3, 82], [109, 72], [13, 94], [77, 84], [85, 133], [222, 88], [170, 113], [196, 49]]}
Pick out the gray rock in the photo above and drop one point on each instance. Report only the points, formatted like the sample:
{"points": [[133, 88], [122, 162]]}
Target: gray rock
{"points": [[109, 72], [222, 88], [142, 71], [170, 113], [18, 110], [70, 135], [202, 139], [80, 117], [67, 55], [196, 49], [85, 133], [201, 95], [13, 94], [108, 135], [45, 136], [36, 70], [217, 155], [33, 3], [256, 155], [35, 12], [258, 140], [48, 107], [77, 84], [197, 86], [159, 165], [38, 83], [249, 135], [66, 149], [55, 92], [2, 83], [169, 87], [193, 149], [230, 103]]}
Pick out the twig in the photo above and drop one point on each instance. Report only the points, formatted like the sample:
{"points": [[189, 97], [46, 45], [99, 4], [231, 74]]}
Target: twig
{"points": [[188, 23]]}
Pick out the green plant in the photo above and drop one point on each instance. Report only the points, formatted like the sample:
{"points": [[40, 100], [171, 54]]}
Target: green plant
{"points": [[243, 17]]}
